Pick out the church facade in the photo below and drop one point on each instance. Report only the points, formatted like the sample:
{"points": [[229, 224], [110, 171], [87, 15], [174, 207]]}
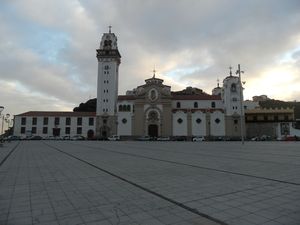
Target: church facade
{"points": [[153, 109]]}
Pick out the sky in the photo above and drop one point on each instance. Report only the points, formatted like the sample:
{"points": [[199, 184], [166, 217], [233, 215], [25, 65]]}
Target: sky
{"points": [[48, 48]]}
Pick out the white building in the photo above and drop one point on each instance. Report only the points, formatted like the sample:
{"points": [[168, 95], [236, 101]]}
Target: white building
{"points": [[44, 124]]}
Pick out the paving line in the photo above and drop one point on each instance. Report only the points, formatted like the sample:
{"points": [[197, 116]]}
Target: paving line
{"points": [[11, 151], [181, 205], [194, 166]]}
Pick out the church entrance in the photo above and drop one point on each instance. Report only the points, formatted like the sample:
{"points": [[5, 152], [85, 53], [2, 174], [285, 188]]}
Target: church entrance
{"points": [[56, 132], [153, 130], [90, 134]]}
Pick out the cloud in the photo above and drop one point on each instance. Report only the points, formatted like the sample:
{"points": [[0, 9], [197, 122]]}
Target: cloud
{"points": [[48, 47]]}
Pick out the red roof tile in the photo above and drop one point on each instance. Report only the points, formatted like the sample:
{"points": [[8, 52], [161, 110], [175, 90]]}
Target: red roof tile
{"points": [[196, 97], [57, 113]]}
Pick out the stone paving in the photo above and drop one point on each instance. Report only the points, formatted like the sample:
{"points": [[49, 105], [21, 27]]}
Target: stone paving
{"points": [[118, 183]]}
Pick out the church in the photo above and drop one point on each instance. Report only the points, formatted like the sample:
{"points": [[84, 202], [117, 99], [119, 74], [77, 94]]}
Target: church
{"points": [[154, 109]]}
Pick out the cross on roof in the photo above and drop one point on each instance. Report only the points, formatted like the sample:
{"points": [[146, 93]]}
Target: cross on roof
{"points": [[154, 72], [230, 70], [109, 27], [218, 82]]}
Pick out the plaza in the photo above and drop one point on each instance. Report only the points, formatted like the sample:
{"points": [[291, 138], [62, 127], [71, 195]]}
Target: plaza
{"points": [[149, 183]]}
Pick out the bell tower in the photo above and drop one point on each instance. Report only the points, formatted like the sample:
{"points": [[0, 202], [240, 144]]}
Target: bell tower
{"points": [[109, 60]]}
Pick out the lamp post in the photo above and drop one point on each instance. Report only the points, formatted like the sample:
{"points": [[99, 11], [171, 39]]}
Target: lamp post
{"points": [[1, 109], [239, 72]]}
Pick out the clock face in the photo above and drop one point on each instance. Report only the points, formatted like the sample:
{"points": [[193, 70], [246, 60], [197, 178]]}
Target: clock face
{"points": [[153, 95]]}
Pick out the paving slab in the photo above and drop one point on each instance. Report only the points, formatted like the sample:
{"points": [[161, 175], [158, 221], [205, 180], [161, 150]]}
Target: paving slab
{"points": [[97, 182]]}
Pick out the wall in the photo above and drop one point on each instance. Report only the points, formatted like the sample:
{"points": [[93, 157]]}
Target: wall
{"points": [[198, 129]]}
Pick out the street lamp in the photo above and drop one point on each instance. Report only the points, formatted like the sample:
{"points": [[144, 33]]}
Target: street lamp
{"points": [[1, 109]]}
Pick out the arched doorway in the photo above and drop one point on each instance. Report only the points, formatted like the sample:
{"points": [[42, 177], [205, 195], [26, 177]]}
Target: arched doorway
{"points": [[153, 130], [90, 134]]}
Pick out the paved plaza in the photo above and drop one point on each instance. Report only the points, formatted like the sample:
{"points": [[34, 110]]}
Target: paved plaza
{"points": [[149, 183]]}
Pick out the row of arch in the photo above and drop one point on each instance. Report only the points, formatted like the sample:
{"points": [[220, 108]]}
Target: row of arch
{"points": [[124, 108]]}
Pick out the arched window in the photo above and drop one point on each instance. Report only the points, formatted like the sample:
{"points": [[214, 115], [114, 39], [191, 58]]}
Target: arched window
{"points": [[120, 108], [178, 105], [195, 104], [128, 108], [233, 87], [213, 105]]}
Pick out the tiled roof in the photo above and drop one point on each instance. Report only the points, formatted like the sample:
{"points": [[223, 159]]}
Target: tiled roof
{"points": [[196, 97], [178, 97], [57, 113], [126, 97]]}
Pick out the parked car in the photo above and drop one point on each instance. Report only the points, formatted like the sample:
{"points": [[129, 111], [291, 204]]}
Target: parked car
{"points": [[77, 138], [66, 137], [12, 138], [144, 138], [199, 138], [114, 138], [163, 139], [179, 138], [36, 138]]}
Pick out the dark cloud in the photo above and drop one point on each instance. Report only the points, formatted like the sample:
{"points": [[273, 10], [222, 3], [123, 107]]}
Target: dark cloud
{"points": [[50, 46]]}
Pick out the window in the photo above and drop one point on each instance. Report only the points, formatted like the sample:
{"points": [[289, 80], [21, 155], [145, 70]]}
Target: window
{"points": [[68, 121], [178, 105], [217, 120], [23, 121], [104, 121], [254, 118], [179, 121], [265, 118], [67, 130], [22, 130], [128, 108], [234, 99], [276, 118], [124, 121], [91, 121], [79, 121], [213, 105], [33, 130], [235, 121], [120, 108], [56, 121], [233, 87], [46, 120], [195, 104], [286, 118], [106, 67], [34, 121], [45, 130], [198, 120], [79, 130]]}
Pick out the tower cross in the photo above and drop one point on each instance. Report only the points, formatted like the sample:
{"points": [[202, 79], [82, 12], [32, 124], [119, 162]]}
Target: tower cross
{"points": [[109, 28], [230, 70], [218, 82], [154, 71]]}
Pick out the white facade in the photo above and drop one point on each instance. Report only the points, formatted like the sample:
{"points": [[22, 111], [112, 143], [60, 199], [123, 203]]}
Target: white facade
{"points": [[199, 124], [180, 124], [33, 123], [108, 75], [231, 95], [217, 124]]}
